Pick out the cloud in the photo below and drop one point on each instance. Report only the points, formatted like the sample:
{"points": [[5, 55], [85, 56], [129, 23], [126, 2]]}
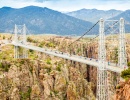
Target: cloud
{"points": [[69, 5]]}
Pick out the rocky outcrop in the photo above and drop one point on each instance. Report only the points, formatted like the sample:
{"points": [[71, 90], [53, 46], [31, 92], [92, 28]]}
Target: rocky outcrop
{"points": [[35, 92], [15, 94], [122, 91], [83, 89], [48, 80]]}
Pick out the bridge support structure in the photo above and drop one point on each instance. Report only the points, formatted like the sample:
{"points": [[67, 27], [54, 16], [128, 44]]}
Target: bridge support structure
{"points": [[25, 53], [122, 59], [16, 52], [20, 34], [101, 71], [111, 28], [104, 79]]}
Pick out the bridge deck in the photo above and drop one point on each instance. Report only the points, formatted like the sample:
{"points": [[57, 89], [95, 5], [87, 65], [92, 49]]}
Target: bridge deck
{"points": [[92, 62]]}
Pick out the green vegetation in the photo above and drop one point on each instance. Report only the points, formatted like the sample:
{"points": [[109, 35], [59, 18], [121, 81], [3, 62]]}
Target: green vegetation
{"points": [[114, 78], [118, 87], [32, 54], [1, 65], [31, 40], [48, 61], [42, 44], [58, 67], [48, 67], [51, 93], [4, 67], [3, 37], [128, 64], [22, 61], [78, 50], [50, 45], [25, 95], [31, 69], [55, 92], [48, 70], [125, 74], [7, 54], [30, 50], [116, 55]]}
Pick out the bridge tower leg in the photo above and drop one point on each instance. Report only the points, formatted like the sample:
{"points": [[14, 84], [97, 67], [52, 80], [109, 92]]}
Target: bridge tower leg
{"points": [[101, 70], [16, 40], [25, 54], [122, 59], [16, 51]]}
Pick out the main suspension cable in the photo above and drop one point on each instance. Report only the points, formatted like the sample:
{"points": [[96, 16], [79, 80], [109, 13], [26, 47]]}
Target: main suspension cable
{"points": [[104, 31], [85, 33]]}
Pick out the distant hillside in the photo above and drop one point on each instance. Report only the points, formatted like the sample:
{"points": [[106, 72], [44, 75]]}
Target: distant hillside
{"points": [[126, 16], [93, 15], [41, 20]]}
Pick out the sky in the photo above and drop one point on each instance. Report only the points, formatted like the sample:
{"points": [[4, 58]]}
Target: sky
{"points": [[69, 5]]}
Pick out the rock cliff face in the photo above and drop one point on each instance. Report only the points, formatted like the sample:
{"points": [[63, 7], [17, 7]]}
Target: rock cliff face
{"points": [[52, 78], [89, 50], [123, 91], [26, 79]]}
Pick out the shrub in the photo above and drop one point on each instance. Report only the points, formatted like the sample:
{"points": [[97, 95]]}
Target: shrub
{"points": [[55, 92], [3, 37], [0, 65], [29, 39], [31, 69], [125, 74], [48, 61], [128, 64], [118, 87], [50, 44], [78, 50], [25, 95], [4, 67], [32, 51], [48, 70], [42, 44], [58, 68]]}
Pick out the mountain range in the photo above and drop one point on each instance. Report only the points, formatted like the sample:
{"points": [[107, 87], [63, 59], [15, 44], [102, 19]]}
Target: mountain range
{"points": [[40, 20], [126, 16], [93, 15]]}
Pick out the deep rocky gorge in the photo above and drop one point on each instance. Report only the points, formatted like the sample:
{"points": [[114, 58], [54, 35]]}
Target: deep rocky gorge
{"points": [[44, 77], [25, 79]]}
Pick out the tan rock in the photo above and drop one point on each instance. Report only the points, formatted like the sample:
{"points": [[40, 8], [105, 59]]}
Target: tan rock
{"points": [[65, 72], [15, 94], [60, 82], [35, 91], [48, 85], [71, 92], [123, 92]]}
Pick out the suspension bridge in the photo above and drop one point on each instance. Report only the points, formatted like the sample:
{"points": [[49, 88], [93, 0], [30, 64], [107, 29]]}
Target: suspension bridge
{"points": [[101, 63]]}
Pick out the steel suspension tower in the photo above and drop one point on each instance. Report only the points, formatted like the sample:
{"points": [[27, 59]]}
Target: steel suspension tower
{"points": [[122, 59], [25, 54], [101, 71], [16, 40], [16, 51]]}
